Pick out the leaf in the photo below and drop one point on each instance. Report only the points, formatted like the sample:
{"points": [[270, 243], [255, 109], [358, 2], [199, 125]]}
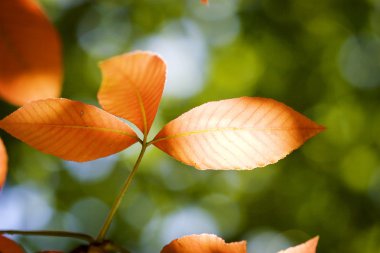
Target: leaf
{"points": [[238, 133], [3, 163], [307, 247], [205, 2], [30, 53], [69, 129], [132, 87], [204, 243], [9, 246]]}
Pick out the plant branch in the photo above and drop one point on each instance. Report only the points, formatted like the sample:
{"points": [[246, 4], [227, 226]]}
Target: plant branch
{"points": [[122, 192], [80, 236]]}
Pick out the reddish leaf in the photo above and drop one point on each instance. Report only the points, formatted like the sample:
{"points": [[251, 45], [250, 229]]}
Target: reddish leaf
{"points": [[204, 243], [9, 246], [205, 2], [132, 87], [239, 133], [30, 66], [3, 163], [68, 129], [307, 247]]}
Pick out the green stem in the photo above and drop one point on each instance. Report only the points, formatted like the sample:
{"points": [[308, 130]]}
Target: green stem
{"points": [[122, 192], [80, 236]]}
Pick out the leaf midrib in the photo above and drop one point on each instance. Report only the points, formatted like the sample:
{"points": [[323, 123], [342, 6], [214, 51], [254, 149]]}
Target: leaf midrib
{"points": [[140, 101], [188, 133], [102, 129]]}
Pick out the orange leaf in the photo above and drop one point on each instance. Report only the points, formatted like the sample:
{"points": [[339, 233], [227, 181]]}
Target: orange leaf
{"points": [[204, 243], [30, 66], [307, 247], [9, 246], [238, 133], [69, 129], [132, 87], [205, 2], [3, 163]]}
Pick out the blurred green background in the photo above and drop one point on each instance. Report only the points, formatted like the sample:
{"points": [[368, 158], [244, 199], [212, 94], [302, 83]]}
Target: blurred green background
{"points": [[320, 57]]}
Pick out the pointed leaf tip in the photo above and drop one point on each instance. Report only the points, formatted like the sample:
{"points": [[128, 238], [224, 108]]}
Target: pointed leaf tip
{"points": [[3, 164], [132, 87], [69, 129], [9, 246], [238, 133], [30, 53], [204, 243], [308, 247]]}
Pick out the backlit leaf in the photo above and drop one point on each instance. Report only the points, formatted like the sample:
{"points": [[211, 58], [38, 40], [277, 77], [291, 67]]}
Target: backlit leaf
{"points": [[69, 129], [30, 53], [239, 133], [9, 246], [307, 247], [3, 163], [204, 243], [132, 87]]}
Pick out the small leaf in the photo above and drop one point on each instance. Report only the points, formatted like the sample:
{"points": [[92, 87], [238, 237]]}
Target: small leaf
{"points": [[69, 129], [307, 247], [9, 246], [204, 243], [30, 53], [132, 87], [239, 133], [205, 2], [3, 164]]}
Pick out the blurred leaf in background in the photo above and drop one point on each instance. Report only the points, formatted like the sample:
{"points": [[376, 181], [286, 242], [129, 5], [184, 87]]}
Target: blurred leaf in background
{"points": [[322, 59], [30, 52]]}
